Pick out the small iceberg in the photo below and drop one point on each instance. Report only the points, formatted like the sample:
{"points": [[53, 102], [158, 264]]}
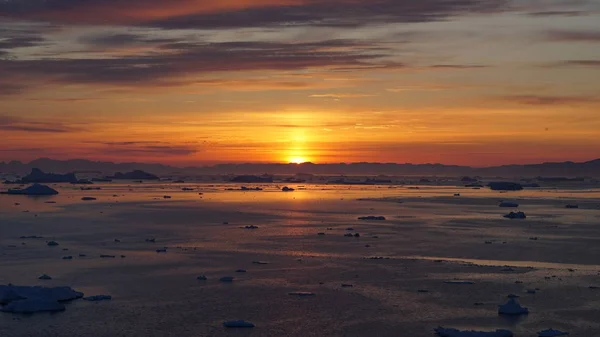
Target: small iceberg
{"points": [[260, 262], [44, 277], [240, 271], [238, 324], [33, 305], [88, 199], [372, 218], [161, 250], [449, 332], [516, 215], [572, 206], [52, 243], [35, 189], [301, 294], [98, 298], [512, 307], [458, 282], [226, 279], [287, 189], [552, 333], [251, 227], [27, 300]]}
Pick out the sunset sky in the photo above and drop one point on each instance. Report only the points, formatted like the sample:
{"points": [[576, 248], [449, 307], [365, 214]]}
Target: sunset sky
{"points": [[193, 82]]}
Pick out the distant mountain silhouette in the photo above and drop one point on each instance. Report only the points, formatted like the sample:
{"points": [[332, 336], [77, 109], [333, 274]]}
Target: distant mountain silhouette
{"points": [[564, 169]]}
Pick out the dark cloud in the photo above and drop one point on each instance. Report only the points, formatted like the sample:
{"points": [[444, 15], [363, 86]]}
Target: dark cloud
{"points": [[186, 59], [551, 100], [558, 13], [137, 148], [12, 42], [210, 14], [457, 66], [19, 124], [577, 63], [573, 36]]}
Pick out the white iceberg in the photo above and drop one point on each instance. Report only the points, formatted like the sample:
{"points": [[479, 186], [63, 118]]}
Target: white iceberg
{"points": [[20, 299], [238, 324], [449, 332], [301, 294], [30, 306], [98, 298], [552, 333], [512, 307]]}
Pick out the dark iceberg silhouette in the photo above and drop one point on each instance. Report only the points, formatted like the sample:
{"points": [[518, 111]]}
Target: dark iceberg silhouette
{"points": [[252, 179], [505, 186], [38, 176], [134, 175], [35, 189]]}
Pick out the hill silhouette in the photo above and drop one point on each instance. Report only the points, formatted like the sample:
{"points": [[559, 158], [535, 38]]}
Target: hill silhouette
{"points": [[559, 169]]}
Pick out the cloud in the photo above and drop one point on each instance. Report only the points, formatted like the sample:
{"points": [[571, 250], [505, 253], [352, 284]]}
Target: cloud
{"points": [[183, 63], [551, 100], [573, 36], [341, 95], [211, 14], [579, 63], [457, 66], [14, 124], [148, 147], [558, 13]]}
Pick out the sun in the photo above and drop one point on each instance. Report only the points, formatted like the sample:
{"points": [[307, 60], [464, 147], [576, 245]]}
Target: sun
{"points": [[298, 160]]}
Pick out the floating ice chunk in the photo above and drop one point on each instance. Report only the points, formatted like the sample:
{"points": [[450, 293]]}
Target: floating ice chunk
{"points": [[35, 189], [88, 199], [512, 307], [98, 298], [444, 332], [9, 293], [202, 278], [107, 256], [301, 294], [151, 240], [251, 227], [52, 243], [516, 215], [45, 277], [238, 324], [31, 237], [372, 218], [287, 189], [459, 282], [30, 306], [67, 258], [552, 333], [260, 262], [240, 271], [572, 206], [346, 285], [161, 250], [226, 279]]}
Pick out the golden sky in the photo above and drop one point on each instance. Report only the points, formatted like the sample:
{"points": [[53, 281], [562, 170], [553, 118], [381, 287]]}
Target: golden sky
{"points": [[470, 82]]}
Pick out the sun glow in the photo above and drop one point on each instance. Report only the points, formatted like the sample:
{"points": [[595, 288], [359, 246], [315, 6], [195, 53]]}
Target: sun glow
{"points": [[298, 160]]}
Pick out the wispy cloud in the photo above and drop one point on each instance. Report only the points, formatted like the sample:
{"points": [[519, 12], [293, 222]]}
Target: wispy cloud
{"points": [[551, 100], [14, 124]]}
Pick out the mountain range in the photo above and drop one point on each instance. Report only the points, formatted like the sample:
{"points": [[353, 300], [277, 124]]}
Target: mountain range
{"points": [[559, 169]]}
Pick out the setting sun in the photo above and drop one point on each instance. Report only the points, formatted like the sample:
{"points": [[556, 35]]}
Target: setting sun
{"points": [[298, 160]]}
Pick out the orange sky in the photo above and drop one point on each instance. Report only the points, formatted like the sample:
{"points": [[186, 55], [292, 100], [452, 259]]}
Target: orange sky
{"points": [[197, 82]]}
